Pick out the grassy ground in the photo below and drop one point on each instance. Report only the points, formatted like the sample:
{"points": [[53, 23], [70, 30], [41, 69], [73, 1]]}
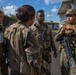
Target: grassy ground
{"points": [[55, 31]]}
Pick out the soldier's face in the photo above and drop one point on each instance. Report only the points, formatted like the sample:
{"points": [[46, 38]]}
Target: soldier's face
{"points": [[71, 18], [1, 17], [40, 16]]}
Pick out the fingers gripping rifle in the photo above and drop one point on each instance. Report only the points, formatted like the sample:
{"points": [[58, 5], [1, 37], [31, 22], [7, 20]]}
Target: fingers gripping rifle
{"points": [[68, 50]]}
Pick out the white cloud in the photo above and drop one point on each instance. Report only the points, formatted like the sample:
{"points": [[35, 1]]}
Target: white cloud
{"points": [[48, 15], [52, 12], [47, 2], [37, 1], [9, 10], [54, 9]]}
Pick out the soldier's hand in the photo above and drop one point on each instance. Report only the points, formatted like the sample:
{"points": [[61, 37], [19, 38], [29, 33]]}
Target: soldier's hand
{"points": [[62, 31], [69, 27], [55, 54]]}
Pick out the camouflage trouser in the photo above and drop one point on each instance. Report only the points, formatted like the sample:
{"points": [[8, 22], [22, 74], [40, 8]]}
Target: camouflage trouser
{"points": [[65, 67], [3, 66], [0, 57], [73, 68], [46, 62], [46, 68], [33, 71], [16, 73], [11, 72], [64, 63]]}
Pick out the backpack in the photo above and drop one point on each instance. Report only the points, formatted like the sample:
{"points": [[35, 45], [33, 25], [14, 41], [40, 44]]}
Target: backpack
{"points": [[15, 35]]}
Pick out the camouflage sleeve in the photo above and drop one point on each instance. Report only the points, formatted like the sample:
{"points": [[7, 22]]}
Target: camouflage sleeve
{"points": [[32, 48], [32, 39], [52, 42], [74, 32], [58, 36], [74, 29]]}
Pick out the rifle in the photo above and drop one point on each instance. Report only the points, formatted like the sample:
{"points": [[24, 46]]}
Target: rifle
{"points": [[68, 49]]}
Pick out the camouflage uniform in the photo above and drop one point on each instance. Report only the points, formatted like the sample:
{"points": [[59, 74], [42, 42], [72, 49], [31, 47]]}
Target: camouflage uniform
{"points": [[44, 37], [65, 67], [1, 41], [3, 57], [17, 49]]}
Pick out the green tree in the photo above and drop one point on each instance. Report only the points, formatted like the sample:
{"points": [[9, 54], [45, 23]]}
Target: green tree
{"points": [[8, 20]]}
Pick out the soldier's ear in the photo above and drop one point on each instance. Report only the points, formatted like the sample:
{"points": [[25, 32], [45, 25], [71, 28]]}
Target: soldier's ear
{"points": [[32, 18]]}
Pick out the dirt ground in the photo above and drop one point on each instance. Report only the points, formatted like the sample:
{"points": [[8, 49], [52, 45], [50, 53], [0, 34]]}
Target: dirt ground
{"points": [[55, 67]]}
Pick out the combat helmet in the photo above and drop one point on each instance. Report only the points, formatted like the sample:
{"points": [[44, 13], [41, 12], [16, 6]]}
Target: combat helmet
{"points": [[71, 11]]}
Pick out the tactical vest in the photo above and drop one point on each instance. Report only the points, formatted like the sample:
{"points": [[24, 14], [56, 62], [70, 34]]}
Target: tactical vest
{"points": [[43, 36], [72, 40]]}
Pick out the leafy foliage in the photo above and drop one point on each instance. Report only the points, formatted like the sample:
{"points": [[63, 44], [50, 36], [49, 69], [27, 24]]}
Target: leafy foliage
{"points": [[8, 20]]}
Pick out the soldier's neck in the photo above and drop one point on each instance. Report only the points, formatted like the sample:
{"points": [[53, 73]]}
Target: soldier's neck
{"points": [[41, 23]]}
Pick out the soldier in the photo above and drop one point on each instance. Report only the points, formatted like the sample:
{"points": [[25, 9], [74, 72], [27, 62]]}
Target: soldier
{"points": [[2, 56], [69, 30], [44, 37], [18, 39]]}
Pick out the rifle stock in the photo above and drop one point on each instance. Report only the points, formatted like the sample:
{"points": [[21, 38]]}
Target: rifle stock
{"points": [[68, 49]]}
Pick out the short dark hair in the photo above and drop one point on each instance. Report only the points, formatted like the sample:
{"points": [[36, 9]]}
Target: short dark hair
{"points": [[40, 11], [25, 12]]}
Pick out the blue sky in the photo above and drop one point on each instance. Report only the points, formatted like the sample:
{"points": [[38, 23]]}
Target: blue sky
{"points": [[49, 6]]}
